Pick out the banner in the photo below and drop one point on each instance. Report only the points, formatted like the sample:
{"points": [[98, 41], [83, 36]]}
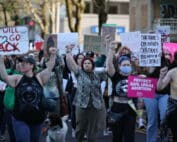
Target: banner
{"points": [[139, 87], [93, 43], [150, 50], [14, 40]]}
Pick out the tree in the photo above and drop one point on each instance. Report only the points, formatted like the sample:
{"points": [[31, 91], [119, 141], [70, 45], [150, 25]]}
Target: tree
{"points": [[75, 9], [102, 12], [43, 12], [9, 11]]}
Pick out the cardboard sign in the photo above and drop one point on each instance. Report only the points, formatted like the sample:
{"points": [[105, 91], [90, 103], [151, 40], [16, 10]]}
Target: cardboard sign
{"points": [[50, 40], [93, 43], [14, 40], [107, 29], [139, 87], [150, 50]]}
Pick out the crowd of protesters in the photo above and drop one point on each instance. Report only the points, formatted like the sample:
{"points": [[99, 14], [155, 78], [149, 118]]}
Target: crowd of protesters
{"points": [[83, 79]]}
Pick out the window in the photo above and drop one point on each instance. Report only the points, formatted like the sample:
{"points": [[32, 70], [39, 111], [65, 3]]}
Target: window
{"points": [[124, 8], [87, 7], [118, 8], [113, 9], [95, 9]]}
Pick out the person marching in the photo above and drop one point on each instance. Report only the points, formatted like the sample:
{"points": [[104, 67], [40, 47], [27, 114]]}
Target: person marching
{"points": [[28, 113]]}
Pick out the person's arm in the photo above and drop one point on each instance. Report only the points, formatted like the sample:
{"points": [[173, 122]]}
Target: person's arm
{"points": [[45, 74], [164, 78], [11, 80], [109, 62], [72, 66]]}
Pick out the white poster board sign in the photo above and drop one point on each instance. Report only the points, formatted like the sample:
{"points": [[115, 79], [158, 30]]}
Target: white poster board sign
{"points": [[164, 31], [150, 51], [64, 39], [132, 40], [14, 40]]}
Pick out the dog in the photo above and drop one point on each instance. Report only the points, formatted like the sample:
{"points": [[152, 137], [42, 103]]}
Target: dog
{"points": [[57, 128]]}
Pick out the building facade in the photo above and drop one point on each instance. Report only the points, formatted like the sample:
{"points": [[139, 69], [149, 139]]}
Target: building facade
{"points": [[145, 15]]}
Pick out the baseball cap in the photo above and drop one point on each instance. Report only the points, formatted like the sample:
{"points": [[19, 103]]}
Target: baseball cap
{"points": [[90, 54], [123, 58], [29, 59]]}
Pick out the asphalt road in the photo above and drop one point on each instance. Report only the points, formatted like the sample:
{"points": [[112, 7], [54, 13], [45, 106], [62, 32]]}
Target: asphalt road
{"points": [[140, 137]]}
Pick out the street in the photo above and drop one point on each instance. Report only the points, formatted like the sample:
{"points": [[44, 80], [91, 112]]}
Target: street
{"points": [[140, 137]]}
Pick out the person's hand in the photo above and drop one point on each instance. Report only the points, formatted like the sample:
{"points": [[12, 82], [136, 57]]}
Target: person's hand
{"points": [[163, 72], [1, 58], [52, 51], [69, 48]]}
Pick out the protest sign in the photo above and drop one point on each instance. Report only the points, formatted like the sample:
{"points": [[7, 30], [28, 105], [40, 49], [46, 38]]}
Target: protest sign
{"points": [[93, 43], [150, 50], [60, 40], [107, 29], [164, 31], [132, 40], [14, 40], [66, 39], [139, 87], [50, 40]]}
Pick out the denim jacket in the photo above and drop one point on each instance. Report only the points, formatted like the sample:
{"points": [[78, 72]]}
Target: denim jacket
{"points": [[89, 89]]}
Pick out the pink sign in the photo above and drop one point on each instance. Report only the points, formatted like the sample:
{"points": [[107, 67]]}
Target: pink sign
{"points": [[140, 87], [171, 47]]}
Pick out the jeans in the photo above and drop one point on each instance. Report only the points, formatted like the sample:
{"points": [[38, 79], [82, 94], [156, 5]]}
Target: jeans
{"points": [[8, 118], [25, 132], [155, 106]]}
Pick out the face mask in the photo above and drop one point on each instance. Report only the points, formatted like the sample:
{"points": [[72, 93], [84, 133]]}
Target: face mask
{"points": [[126, 69]]}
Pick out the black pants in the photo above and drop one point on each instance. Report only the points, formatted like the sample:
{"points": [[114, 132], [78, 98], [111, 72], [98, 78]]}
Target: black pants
{"points": [[124, 130]]}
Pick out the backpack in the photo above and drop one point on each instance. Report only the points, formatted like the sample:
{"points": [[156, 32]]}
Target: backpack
{"points": [[28, 101]]}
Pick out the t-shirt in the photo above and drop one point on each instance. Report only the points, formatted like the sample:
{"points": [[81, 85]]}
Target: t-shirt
{"points": [[119, 85]]}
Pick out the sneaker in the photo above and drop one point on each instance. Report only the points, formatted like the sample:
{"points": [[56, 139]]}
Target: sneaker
{"points": [[85, 136], [105, 132], [141, 124]]}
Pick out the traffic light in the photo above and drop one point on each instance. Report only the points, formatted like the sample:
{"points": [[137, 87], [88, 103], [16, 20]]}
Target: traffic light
{"points": [[31, 23], [28, 21]]}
